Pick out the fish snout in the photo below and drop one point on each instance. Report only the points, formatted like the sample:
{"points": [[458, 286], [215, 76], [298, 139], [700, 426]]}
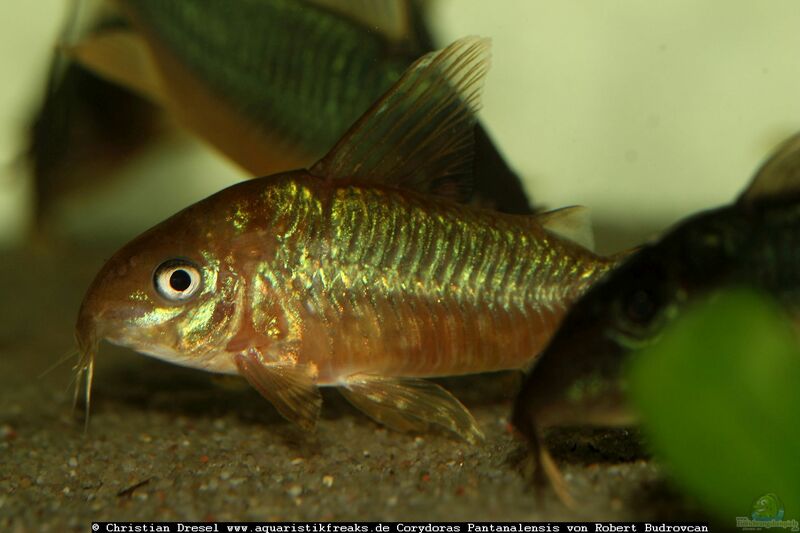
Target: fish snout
{"points": [[99, 307]]}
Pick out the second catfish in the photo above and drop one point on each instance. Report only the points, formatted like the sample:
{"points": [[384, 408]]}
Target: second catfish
{"points": [[580, 379]]}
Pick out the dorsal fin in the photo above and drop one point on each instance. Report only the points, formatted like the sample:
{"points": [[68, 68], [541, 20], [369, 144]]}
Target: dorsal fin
{"points": [[422, 130], [572, 223], [779, 175]]}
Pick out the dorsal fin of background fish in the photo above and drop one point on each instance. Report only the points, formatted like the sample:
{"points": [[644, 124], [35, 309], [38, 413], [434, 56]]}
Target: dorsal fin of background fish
{"points": [[778, 176], [422, 130]]}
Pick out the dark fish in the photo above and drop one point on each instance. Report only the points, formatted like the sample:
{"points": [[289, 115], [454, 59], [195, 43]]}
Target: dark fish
{"points": [[754, 242]]}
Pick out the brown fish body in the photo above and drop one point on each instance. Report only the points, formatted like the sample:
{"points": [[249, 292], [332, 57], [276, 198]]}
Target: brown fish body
{"points": [[354, 279], [363, 272]]}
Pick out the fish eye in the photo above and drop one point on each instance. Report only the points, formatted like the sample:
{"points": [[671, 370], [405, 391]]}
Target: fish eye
{"points": [[641, 314], [177, 280], [640, 307]]}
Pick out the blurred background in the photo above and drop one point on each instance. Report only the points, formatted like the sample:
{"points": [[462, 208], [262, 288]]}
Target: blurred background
{"points": [[644, 112]]}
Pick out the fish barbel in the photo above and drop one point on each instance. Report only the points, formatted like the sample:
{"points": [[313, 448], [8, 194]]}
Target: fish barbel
{"points": [[754, 242], [363, 272]]}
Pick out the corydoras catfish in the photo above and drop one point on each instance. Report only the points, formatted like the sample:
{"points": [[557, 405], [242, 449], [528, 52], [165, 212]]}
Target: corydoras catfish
{"points": [[754, 242], [362, 272]]}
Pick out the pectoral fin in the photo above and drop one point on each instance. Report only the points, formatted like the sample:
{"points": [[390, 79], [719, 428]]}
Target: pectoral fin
{"points": [[407, 404], [290, 388]]}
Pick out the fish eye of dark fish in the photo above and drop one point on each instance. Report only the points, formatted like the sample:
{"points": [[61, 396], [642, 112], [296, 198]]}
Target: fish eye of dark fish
{"points": [[753, 242]]}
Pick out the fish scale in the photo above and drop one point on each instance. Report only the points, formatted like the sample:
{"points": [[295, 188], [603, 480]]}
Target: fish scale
{"points": [[464, 306]]}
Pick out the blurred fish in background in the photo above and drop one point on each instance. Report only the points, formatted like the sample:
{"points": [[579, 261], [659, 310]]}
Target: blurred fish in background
{"points": [[579, 378], [86, 127], [269, 83]]}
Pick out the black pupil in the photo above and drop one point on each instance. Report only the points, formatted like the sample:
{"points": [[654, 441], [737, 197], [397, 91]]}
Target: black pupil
{"points": [[641, 308], [180, 280]]}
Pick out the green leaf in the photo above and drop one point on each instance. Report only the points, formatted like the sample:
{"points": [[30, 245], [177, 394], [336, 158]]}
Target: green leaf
{"points": [[720, 400]]}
